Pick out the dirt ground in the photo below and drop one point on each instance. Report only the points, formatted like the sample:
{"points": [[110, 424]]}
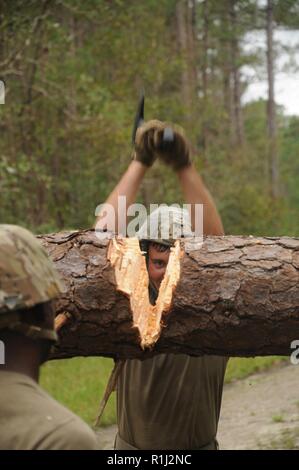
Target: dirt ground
{"points": [[259, 412], [262, 411]]}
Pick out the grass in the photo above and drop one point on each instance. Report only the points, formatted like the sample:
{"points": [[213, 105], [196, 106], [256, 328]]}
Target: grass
{"points": [[277, 419], [79, 383], [239, 368]]}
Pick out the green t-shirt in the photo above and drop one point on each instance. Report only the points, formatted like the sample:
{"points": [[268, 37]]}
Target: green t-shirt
{"points": [[171, 401]]}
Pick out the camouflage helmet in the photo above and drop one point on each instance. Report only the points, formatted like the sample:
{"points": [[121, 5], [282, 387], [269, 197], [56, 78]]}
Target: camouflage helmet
{"points": [[165, 225], [27, 276]]}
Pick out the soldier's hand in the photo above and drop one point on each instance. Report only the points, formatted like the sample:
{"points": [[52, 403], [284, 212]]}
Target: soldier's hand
{"points": [[150, 143], [146, 142], [172, 147]]}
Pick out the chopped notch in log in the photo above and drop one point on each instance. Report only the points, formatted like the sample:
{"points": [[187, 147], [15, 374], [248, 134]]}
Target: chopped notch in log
{"points": [[132, 280]]}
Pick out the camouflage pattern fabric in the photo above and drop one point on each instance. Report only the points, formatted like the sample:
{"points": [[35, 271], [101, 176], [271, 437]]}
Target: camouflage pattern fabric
{"points": [[27, 276], [165, 225]]}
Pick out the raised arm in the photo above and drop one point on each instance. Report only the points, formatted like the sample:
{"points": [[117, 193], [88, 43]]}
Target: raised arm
{"points": [[177, 155], [128, 186], [195, 192]]}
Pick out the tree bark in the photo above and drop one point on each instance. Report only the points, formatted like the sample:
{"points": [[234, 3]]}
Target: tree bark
{"points": [[235, 296]]}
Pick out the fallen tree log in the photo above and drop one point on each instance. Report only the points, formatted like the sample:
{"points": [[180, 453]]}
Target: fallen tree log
{"points": [[235, 296]]}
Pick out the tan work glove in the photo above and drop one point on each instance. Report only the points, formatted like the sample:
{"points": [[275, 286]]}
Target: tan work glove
{"points": [[150, 144], [145, 142]]}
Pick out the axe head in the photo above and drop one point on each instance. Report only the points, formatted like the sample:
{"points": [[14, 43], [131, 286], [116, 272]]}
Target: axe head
{"points": [[139, 118]]}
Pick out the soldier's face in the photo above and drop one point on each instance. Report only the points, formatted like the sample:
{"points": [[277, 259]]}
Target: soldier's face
{"points": [[157, 263]]}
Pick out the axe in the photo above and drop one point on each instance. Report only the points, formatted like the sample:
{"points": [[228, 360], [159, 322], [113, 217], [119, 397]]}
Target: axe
{"points": [[168, 136]]}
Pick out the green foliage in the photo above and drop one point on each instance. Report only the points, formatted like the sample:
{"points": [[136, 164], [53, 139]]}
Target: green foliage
{"points": [[73, 81], [79, 384], [239, 368]]}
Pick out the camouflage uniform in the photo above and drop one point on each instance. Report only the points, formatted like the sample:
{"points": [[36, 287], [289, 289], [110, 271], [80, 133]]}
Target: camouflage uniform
{"points": [[171, 401], [27, 278], [29, 417]]}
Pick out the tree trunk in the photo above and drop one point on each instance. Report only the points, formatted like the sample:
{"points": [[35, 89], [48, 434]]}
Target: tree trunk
{"points": [[204, 71], [228, 85], [185, 25], [271, 118], [235, 296], [235, 74]]}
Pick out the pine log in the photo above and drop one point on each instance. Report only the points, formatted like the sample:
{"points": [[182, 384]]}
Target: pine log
{"points": [[235, 296]]}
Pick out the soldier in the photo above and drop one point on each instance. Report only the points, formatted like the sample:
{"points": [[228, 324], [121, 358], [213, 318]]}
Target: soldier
{"points": [[29, 417], [169, 401]]}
